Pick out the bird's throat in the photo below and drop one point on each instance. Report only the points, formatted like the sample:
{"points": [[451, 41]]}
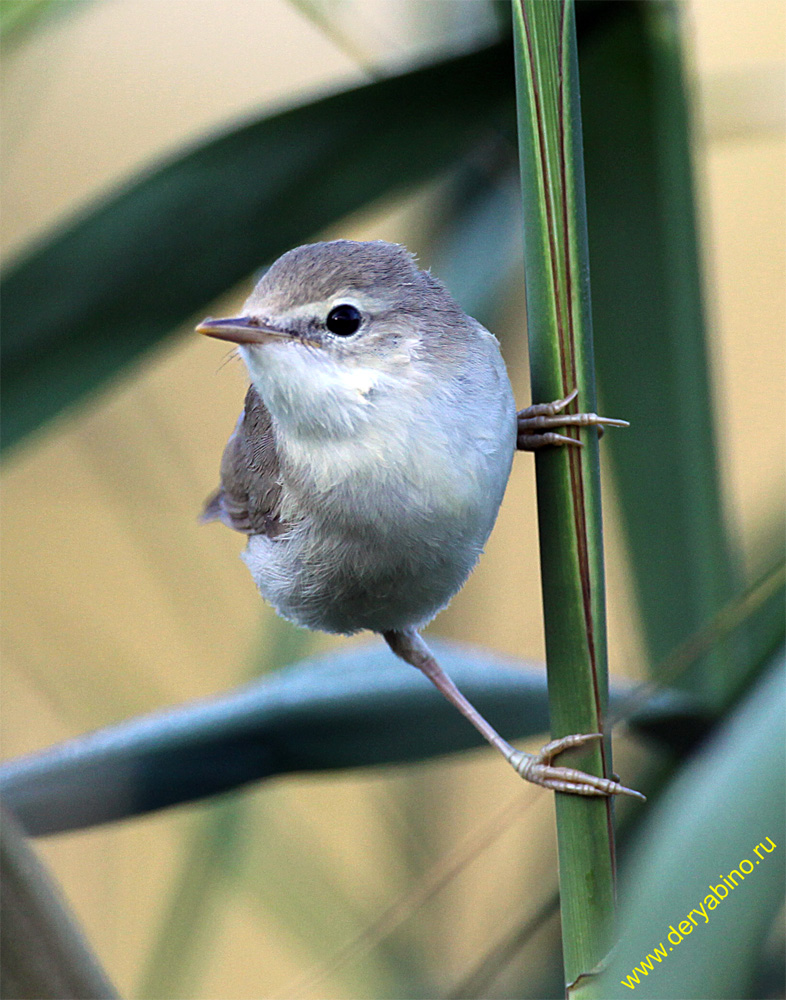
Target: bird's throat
{"points": [[311, 396]]}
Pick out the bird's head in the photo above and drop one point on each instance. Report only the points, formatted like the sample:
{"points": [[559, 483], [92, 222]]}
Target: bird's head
{"points": [[332, 326]]}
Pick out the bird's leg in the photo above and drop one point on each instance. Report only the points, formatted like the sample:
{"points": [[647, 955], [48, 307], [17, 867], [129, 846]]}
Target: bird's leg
{"points": [[536, 768], [536, 422]]}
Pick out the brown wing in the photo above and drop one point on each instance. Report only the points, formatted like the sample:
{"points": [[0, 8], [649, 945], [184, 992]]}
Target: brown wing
{"points": [[249, 497]]}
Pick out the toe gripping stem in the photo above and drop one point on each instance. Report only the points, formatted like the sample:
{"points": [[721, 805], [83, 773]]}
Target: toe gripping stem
{"points": [[538, 768], [537, 423]]}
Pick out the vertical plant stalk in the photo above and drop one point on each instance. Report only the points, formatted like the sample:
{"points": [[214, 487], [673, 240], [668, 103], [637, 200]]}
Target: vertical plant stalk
{"points": [[568, 478]]}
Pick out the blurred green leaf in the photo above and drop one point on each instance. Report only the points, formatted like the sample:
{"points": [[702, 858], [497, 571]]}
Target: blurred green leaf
{"points": [[215, 853], [110, 285], [182, 945], [43, 953], [475, 232], [708, 823], [762, 614], [18, 16], [350, 709], [649, 321], [758, 616]]}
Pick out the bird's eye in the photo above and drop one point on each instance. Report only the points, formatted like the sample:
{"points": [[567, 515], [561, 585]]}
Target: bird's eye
{"points": [[344, 320]]}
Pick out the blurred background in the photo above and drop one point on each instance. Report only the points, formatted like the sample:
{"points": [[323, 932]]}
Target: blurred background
{"points": [[116, 602]]}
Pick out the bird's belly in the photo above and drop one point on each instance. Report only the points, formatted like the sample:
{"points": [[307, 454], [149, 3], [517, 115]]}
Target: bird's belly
{"points": [[381, 544], [361, 580]]}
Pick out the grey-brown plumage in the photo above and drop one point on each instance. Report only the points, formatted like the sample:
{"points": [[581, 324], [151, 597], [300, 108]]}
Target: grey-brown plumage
{"points": [[372, 454], [249, 497]]}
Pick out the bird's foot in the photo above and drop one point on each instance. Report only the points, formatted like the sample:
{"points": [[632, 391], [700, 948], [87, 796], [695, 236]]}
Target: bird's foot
{"points": [[536, 422], [538, 769]]}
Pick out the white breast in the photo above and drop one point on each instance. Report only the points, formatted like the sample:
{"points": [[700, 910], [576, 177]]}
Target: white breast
{"points": [[393, 491]]}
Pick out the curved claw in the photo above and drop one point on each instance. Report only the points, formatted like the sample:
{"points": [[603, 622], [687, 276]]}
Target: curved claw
{"points": [[548, 752], [529, 441], [538, 769], [536, 423]]}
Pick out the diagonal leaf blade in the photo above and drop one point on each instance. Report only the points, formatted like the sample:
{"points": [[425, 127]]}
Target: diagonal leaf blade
{"points": [[44, 952], [103, 290], [351, 709], [689, 843]]}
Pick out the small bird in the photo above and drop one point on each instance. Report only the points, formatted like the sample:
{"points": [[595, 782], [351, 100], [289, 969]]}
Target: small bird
{"points": [[370, 460]]}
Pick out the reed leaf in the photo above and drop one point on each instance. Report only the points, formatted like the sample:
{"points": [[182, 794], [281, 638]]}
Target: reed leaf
{"points": [[89, 299], [708, 822], [356, 708], [43, 952], [652, 359]]}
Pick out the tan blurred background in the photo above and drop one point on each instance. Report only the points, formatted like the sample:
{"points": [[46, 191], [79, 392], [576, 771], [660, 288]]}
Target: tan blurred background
{"points": [[116, 602]]}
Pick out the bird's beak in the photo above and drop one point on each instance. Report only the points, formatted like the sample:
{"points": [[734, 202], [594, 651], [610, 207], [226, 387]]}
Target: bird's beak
{"points": [[242, 330]]}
